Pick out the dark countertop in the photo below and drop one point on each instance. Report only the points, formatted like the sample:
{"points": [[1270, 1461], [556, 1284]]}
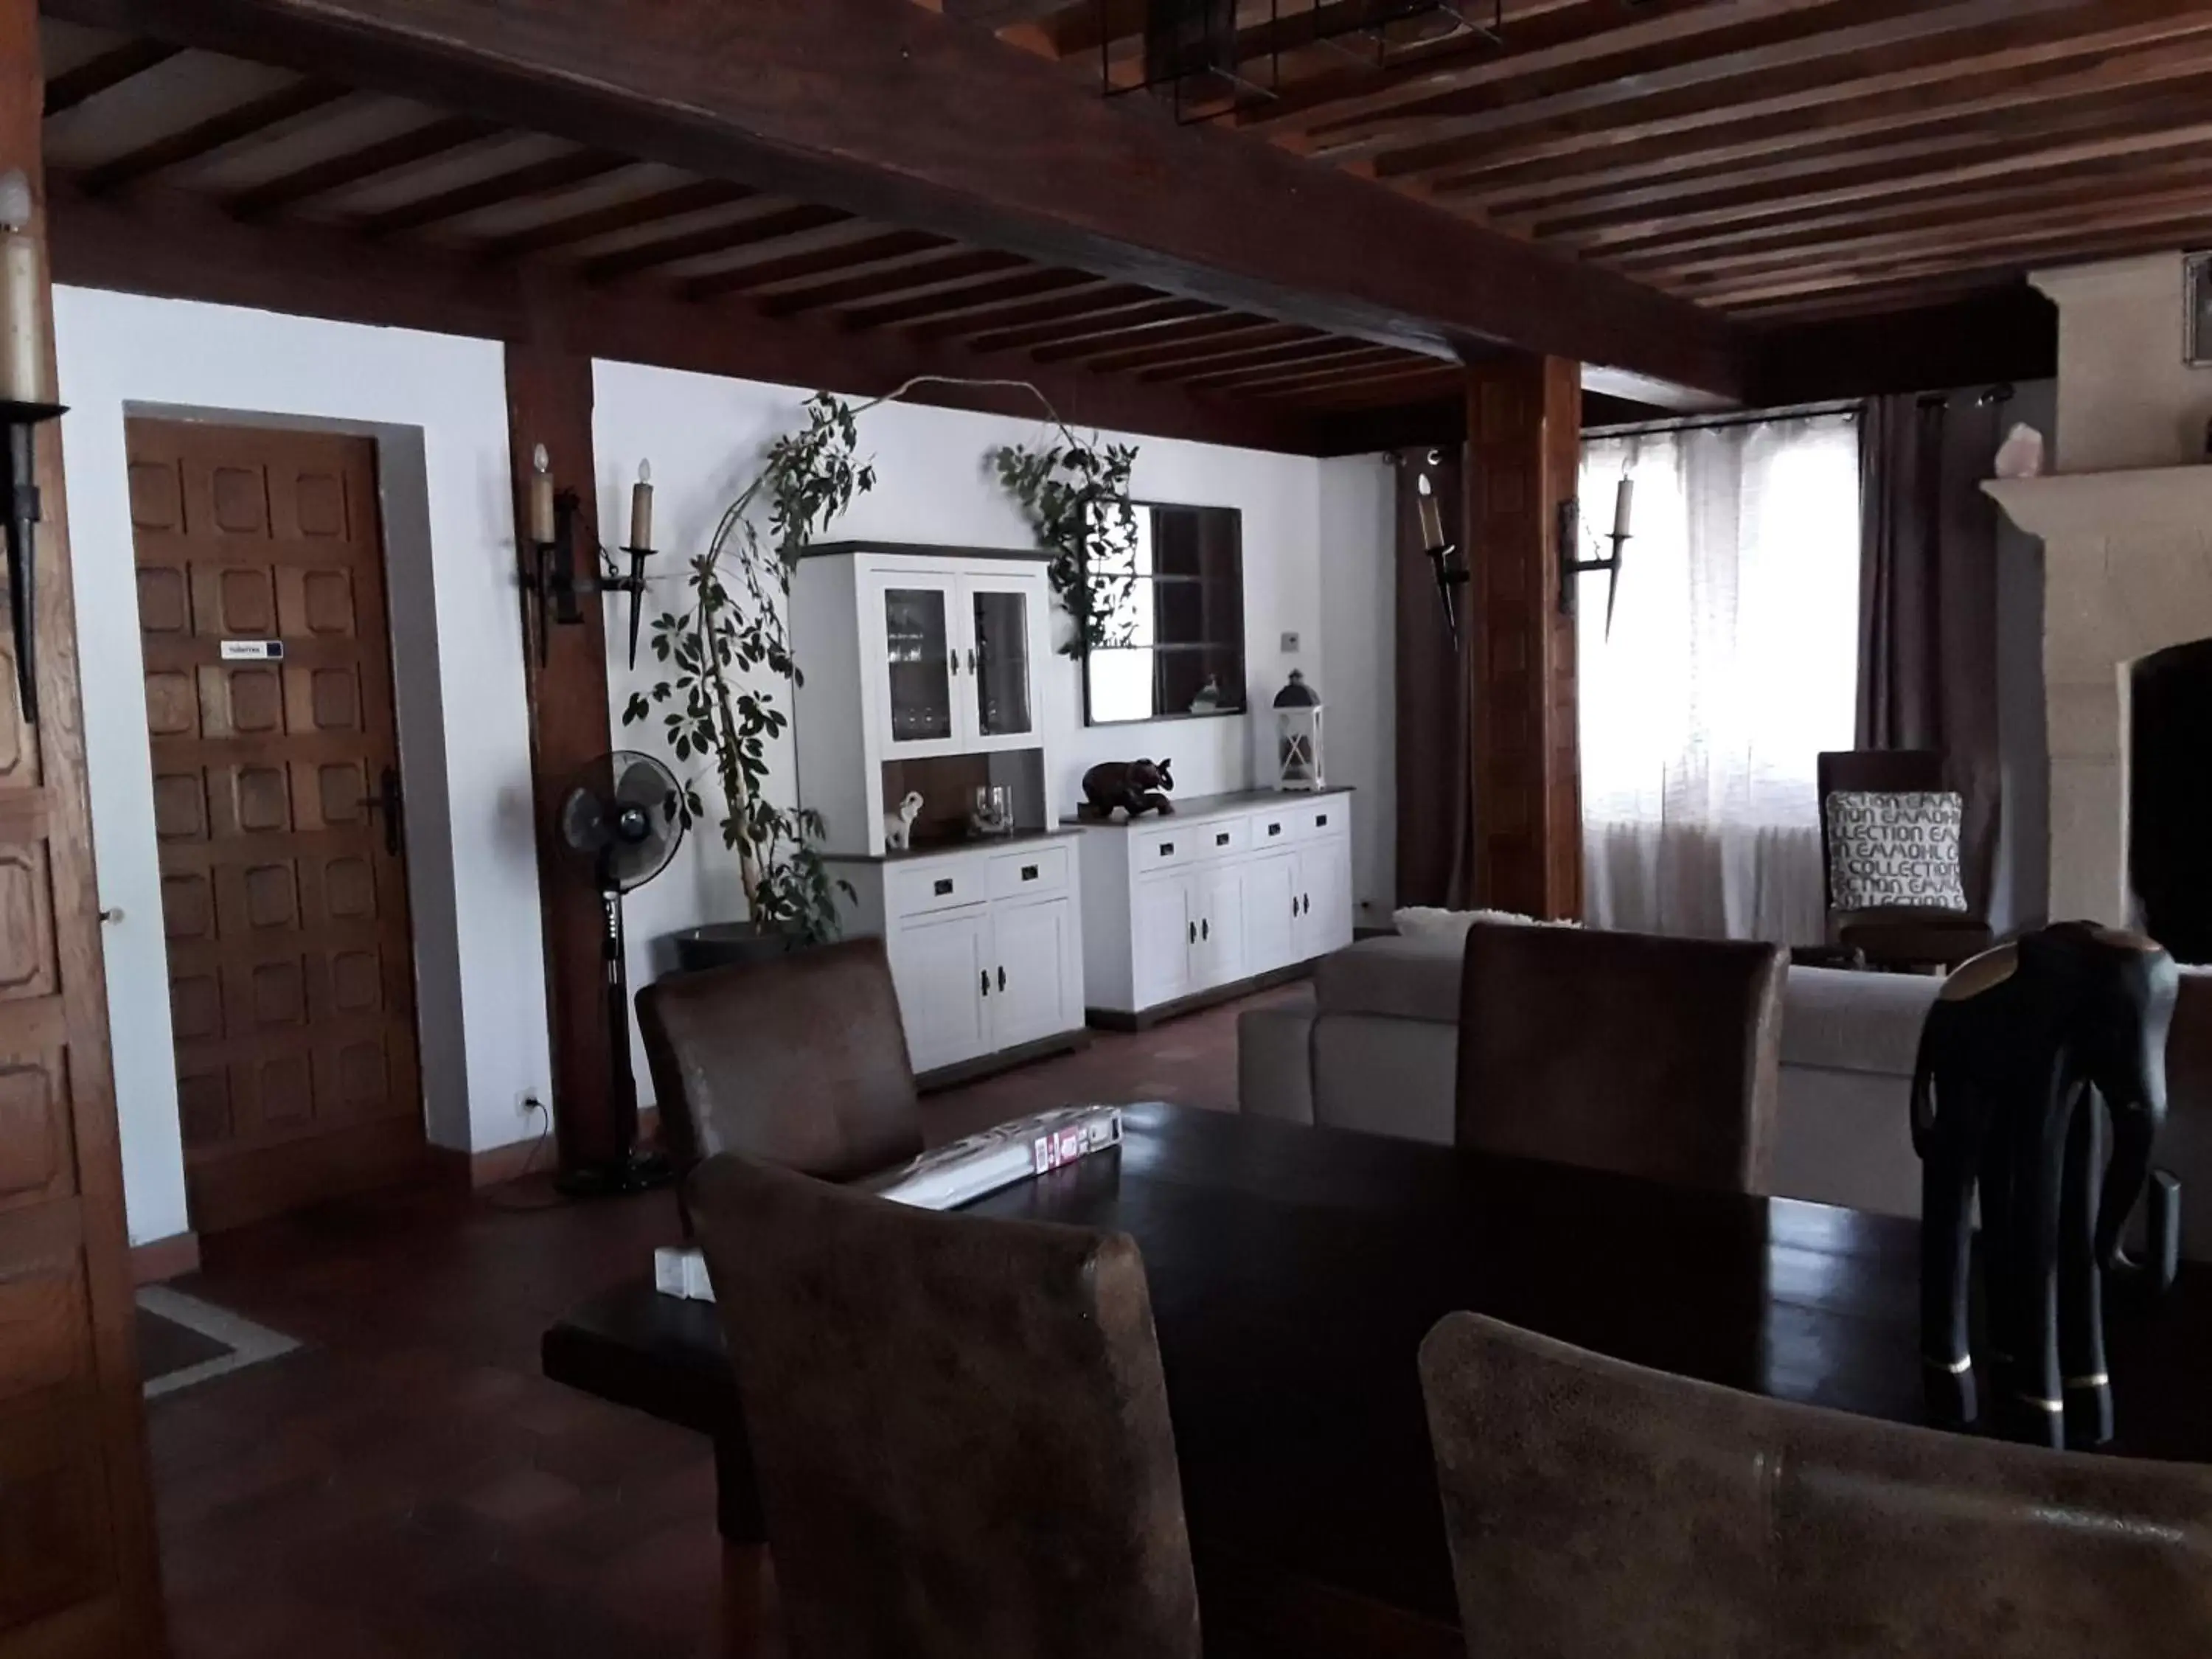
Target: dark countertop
{"points": [[974, 844], [1198, 806]]}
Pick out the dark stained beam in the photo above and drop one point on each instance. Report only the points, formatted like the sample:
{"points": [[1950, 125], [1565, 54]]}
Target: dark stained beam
{"points": [[1344, 362], [1068, 313], [2010, 334], [938, 270], [111, 68], [316, 270], [752, 278], [881, 108], [1228, 336], [984, 300], [1118, 323], [544, 178], [695, 196], [1110, 351], [784, 223], [217, 132], [406, 149], [997, 13]]}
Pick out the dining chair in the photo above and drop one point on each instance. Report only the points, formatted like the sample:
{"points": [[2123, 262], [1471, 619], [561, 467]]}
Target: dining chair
{"points": [[1913, 937], [799, 1060], [1599, 1510], [960, 1426], [1650, 1056]]}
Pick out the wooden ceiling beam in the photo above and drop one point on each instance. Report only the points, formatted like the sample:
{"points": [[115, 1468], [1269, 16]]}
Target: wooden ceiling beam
{"points": [[545, 178], [1106, 352], [1059, 314], [203, 139], [825, 261], [1241, 369], [1121, 323], [889, 112], [324, 178], [1403, 376], [1225, 345], [984, 300], [326, 271], [2009, 334], [799, 220], [1922, 75], [927, 274], [98, 74], [694, 196]]}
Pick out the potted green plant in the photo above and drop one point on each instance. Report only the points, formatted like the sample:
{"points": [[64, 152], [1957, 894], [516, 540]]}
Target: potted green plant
{"points": [[727, 651], [1076, 497]]}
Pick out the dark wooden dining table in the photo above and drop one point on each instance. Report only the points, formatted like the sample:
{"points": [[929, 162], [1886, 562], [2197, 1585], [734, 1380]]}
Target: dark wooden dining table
{"points": [[1294, 1272]]}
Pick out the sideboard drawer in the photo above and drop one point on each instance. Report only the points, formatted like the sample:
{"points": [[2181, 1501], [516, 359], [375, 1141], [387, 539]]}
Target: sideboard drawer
{"points": [[917, 891], [1037, 870], [1275, 827], [1164, 849], [1330, 815], [1221, 838]]}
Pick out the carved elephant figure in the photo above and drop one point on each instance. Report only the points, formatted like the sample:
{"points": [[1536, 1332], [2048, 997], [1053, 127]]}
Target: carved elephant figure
{"points": [[1135, 786], [2018, 1047]]}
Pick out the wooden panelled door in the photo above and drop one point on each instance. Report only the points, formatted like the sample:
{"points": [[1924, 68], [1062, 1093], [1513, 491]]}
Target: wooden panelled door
{"points": [[278, 807]]}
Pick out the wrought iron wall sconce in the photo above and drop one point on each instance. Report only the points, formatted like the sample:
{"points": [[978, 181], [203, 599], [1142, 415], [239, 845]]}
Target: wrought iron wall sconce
{"points": [[556, 587], [1571, 566], [19, 495], [1443, 557]]}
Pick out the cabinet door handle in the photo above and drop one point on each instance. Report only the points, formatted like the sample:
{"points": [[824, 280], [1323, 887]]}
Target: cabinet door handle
{"points": [[952, 661], [941, 888], [1029, 873], [986, 977], [1193, 933], [1205, 930], [971, 669], [1002, 977]]}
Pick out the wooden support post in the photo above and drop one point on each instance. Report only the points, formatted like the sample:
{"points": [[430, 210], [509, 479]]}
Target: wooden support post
{"points": [[548, 400], [77, 1566], [1523, 446]]}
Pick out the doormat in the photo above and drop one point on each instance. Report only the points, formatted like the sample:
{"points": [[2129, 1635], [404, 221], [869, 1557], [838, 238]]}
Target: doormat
{"points": [[183, 1340]]}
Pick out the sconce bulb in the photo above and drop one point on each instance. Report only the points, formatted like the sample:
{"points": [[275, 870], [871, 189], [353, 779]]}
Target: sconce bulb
{"points": [[14, 200], [1422, 484], [645, 472], [539, 461]]}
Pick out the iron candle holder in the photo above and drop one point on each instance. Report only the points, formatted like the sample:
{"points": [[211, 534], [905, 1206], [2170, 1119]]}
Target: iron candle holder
{"points": [[19, 505]]}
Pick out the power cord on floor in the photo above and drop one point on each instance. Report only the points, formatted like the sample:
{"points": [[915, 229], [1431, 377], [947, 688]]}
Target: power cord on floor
{"points": [[517, 1206]]}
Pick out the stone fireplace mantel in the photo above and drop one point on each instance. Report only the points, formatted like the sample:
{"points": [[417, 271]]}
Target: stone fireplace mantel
{"points": [[2127, 571]]}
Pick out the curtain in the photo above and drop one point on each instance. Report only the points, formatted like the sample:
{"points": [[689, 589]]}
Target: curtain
{"points": [[1732, 663], [1928, 617]]}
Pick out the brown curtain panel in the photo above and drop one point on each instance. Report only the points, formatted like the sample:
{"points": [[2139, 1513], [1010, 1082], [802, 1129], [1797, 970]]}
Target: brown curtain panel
{"points": [[1435, 779], [1928, 600]]}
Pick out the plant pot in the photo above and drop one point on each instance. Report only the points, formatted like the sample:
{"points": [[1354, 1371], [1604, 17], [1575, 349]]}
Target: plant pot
{"points": [[732, 945]]}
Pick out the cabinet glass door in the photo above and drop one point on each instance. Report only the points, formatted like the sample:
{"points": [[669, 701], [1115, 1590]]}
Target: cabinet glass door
{"points": [[1002, 662], [917, 633]]}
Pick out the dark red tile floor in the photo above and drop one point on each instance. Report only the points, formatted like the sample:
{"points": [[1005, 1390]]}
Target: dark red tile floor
{"points": [[406, 1483]]}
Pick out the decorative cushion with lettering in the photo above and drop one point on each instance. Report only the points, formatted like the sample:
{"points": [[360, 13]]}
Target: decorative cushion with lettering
{"points": [[1889, 849]]}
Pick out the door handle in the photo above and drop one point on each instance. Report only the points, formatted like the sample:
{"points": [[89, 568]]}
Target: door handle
{"points": [[1002, 976], [388, 802], [1205, 930], [971, 661], [952, 661], [986, 977], [1193, 933]]}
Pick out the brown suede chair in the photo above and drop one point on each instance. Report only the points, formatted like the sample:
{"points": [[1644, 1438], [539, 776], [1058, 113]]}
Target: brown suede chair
{"points": [[959, 1425], [1908, 937], [800, 1060], [1599, 1510], [1654, 1057]]}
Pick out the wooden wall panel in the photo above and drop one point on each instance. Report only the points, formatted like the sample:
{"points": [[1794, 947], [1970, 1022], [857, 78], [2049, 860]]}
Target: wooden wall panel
{"points": [[1523, 445], [77, 1569]]}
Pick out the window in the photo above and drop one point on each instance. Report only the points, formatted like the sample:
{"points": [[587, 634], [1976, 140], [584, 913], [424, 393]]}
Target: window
{"points": [[1733, 662], [1176, 614]]}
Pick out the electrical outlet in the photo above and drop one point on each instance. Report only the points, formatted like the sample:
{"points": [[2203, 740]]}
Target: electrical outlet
{"points": [[1290, 644], [530, 1105]]}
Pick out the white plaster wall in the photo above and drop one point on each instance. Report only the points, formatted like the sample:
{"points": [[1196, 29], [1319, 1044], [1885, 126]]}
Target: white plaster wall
{"points": [[1316, 563], [2126, 397], [1358, 599], [438, 406]]}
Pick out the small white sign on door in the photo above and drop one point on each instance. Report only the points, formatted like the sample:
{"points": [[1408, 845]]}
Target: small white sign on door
{"points": [[252, 650]]}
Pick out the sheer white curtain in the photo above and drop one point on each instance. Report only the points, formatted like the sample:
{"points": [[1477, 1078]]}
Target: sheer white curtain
{"points": [[1733, 662]]}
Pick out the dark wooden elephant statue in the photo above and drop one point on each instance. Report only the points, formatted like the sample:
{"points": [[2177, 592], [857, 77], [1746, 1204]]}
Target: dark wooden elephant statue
{"points": [[2017, 1049]]}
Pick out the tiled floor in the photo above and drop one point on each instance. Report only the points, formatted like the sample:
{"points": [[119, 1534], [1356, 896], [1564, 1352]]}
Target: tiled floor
{"points": [[407, 1484]]}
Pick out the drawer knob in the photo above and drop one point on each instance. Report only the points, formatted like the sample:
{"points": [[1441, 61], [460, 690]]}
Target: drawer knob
{"points": [[1321, 820], [1222, 840], [1274, 829], [1029, 873], [1167, 848], [943, 887]]}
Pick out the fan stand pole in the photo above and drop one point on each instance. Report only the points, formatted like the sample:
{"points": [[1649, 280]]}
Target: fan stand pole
{"points": [[639, 1169]]}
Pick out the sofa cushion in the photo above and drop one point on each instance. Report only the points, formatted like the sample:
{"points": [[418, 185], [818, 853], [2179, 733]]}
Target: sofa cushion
{"points": [[1854, 1022], [1399, 977]]}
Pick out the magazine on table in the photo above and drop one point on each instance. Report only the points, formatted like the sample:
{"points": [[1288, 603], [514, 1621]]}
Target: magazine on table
{"points": [[945, 1178]]}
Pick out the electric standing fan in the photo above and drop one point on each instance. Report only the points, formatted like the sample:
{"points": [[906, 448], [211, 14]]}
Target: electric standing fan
{"points": [[629, 821]]}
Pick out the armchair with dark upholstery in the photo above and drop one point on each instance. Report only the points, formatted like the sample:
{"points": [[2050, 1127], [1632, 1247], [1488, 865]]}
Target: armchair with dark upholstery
{"points": [[799, 1060], [1599, 1510], [1901, 936]]}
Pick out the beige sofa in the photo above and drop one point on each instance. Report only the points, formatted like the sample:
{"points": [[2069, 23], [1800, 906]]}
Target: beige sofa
{"points": [[1376, 1046]]}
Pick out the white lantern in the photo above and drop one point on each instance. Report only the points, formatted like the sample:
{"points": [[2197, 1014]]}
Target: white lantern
{"points": [[1298, 735]]}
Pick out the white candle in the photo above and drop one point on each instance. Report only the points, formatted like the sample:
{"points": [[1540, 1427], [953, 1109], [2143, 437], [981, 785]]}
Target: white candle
{"points": [[541, 496], [1432, 524], [1621, 498], [640, 507], [22, 343]]}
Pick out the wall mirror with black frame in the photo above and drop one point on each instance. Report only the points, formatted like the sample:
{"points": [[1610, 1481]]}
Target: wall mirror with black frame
{"points": [[1173, 604]]}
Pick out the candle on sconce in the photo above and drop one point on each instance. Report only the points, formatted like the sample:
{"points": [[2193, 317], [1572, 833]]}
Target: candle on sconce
{"points": [[541, 496], [640, 507], [22, 343], [1622, 498], [1432, 522]]}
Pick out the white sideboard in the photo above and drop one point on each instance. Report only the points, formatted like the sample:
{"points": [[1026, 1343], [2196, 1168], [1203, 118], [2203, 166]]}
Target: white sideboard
{"points": [[1228, 889], [986, 944]]}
